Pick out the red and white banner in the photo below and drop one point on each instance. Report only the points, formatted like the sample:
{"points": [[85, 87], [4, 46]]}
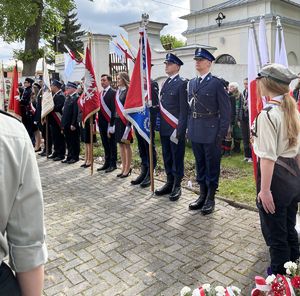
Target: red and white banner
{"points": [[139, 92], [14, 107], [90, 99], [263, 43], [47, 100], [168, 117]]}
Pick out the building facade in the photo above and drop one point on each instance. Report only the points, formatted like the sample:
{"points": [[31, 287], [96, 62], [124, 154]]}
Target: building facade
{"points": [[230, 36]]}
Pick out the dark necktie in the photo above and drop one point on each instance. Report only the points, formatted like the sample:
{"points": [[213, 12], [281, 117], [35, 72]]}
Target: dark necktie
{"points": [[103, 93], [167, 81], [199, 81]]}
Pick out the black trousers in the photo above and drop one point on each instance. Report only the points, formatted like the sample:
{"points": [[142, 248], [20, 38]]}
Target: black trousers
{"points": [[49, 143], [208, 160], [246, 137], [173, 155], [8, 282], [278, 229], [73, 143], [109, 145], [144, 152], [58, 140]]}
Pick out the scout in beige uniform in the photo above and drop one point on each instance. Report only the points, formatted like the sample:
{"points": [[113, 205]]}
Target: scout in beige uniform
{"points": [[276, 136], [22, 234]]}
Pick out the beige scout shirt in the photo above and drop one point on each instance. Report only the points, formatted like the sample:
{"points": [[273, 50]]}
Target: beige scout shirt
{"points": [[271, 141], [21, 199]]}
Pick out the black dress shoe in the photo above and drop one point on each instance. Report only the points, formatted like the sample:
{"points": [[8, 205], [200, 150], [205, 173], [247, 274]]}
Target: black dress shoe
{"points": [[198, 203], [139, 179], [103, 168], [166, 189], [52, 156], [87, 166], [71, 161], [208, 207], [175, 194], [110, 169], [120, 175], [65, 161], [43, 153], [38, 150], [146, 182], [57, 158], [83, 165]]}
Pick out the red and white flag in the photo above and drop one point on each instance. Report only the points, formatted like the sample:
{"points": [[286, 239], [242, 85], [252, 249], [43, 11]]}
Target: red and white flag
{"points": [[280, 50], [90, 100], [14, 107], [263, 43], [253, 101]]}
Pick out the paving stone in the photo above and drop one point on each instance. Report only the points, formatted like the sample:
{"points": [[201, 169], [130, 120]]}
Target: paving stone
{"points": [[107, 237]]}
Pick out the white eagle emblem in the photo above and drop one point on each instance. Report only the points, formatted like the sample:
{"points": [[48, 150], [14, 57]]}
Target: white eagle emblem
{"points": [[89, 85]]}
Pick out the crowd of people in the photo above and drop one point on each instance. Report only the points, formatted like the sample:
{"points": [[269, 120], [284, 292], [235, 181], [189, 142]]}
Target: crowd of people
{"points": [[210, 111]]}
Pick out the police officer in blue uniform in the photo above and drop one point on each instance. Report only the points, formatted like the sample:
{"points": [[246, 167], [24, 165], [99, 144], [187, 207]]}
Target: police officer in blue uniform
{"points": [[208, 122], [173, 123]]}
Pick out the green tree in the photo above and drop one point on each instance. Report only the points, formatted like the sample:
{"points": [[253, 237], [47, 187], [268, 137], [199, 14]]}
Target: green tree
{"points": [[30, 21], [169, 42], [69, 35]]}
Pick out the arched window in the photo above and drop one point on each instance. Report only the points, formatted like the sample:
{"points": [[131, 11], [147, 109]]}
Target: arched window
{"points": [[292, 58], [225, 59]]}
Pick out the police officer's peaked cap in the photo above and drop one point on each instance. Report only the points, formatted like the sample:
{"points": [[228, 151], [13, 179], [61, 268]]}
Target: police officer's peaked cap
{"points": [[29, 80], [277, 73], [172, 58], [71, 85], [56, 83], [201, 53]]}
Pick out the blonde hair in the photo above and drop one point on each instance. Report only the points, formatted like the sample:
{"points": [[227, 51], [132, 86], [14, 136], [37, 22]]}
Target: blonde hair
{"points": [[289, 108], [125, 77]]}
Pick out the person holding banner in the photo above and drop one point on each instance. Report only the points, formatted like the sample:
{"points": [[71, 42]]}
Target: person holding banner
{"points": [[123, 127], [276, 142], [173, 122], [37, 103], [106, 124], [55, 121], [70, 124], [209, 118]]}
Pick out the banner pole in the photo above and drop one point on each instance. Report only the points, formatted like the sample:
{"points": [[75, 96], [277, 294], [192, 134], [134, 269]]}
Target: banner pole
{"points": [[256, 43]]}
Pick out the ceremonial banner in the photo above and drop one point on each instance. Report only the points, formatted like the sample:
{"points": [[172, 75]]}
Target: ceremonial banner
{"points": [[138, 98], [47, 100], [90, 100], [263, 43], [14, 107]]}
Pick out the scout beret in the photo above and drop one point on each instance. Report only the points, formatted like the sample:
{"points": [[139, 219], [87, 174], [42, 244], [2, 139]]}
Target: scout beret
{"points": [[277, 73], [71, 85]]}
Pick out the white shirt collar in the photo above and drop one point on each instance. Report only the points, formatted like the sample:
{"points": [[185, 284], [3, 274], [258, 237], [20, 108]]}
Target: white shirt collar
{"points": [[106, 89], [173, 76], [203, 76], [277, 98]]}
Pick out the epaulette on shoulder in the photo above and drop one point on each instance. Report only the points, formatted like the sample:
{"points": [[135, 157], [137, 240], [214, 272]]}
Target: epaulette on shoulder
{"points": [[7, 114]]}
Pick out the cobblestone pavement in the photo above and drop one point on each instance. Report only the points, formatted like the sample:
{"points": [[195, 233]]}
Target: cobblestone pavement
{"points": [[107, 237]]}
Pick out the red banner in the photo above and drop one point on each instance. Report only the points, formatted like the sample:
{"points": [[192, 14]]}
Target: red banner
{"points": [[14, 107], [90, 101]]}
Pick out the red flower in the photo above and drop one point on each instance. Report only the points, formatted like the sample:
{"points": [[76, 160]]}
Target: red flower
{"points": [[296, 282]]}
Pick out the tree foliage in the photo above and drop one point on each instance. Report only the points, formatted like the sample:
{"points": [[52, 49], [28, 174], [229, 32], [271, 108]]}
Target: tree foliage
{"points": [[69, 35], [30, 21], [169, 42]]}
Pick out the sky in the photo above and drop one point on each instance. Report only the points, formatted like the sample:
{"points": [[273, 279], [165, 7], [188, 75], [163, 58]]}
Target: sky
{"points": [[105, 16]]}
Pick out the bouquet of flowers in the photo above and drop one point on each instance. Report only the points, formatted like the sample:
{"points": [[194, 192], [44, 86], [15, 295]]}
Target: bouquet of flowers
{"points": [[208, 290], [279, 285]]}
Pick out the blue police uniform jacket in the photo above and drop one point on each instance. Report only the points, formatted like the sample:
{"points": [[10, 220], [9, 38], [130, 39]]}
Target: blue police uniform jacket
{"points": [[209, 110], [173, 97]]}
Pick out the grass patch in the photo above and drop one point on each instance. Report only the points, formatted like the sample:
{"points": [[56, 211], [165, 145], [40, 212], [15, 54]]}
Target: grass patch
{"points": [[236, 181]]}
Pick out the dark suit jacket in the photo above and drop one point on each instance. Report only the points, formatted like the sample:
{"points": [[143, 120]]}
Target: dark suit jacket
{"points": [[70, 112], [173, 97], [59, 101], [109, 100], [210, 96]]}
